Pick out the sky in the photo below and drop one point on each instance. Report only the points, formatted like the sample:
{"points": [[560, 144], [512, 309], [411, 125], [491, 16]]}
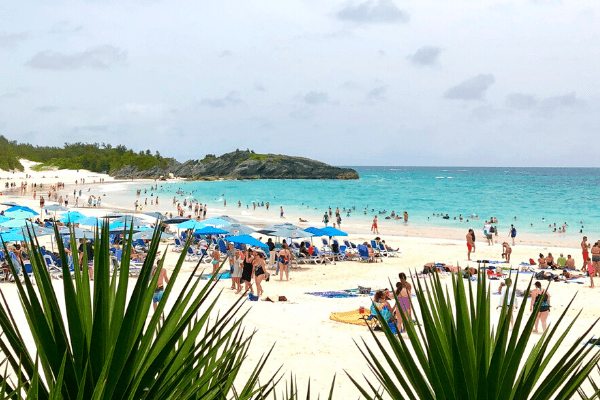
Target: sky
{"points": [[375, 82]]}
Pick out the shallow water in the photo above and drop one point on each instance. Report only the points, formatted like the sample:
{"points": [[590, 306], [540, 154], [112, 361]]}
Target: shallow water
{"points": [[556, 195]]}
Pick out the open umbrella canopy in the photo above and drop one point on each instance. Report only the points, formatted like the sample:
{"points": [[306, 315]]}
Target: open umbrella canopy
{"points": [[331, 231], [175, 220], [55, 208], [39, 230], [127, 219], [215, 221], [272, 228], [79, 233], [20, 214], [88, 221], [14, 223], [210, 230], [155, 214], [229, 219], [287, 232], [3, 219], [12, 237], [21, 208], [246, 239], [72, 216], [316, 231], [238, 229], [144, 235], [190, 224], [9, 203]]}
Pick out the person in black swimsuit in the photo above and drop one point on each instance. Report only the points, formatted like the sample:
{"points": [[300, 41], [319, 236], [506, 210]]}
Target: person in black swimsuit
{"points": [[259, 271], [248, 270]]}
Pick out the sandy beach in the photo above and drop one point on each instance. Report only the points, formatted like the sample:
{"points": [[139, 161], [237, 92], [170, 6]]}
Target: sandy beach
{"points": [[307, 343]]}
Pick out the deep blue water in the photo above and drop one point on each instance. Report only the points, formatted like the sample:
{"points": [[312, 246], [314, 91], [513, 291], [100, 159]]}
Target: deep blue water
{"points": [[556, 194]]}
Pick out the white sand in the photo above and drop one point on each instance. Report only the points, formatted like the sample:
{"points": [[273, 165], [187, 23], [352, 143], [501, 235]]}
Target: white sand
{"points": [[308, 343]]}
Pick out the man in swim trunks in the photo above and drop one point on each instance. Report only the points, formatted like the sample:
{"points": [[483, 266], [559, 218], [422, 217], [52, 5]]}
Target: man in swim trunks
{"points": [[585, 246], [570, 264], [374, 226], [469, 244], [160, 286]]}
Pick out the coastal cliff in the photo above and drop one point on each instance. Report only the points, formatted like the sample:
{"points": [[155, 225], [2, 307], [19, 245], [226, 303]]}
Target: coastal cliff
{"points": [[241, 164]]}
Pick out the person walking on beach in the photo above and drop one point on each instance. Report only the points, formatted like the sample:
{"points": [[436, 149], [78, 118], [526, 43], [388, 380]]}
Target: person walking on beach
{"points": [[325, 219], [247, 270], [487, 231], [584, 251], [160, 286], [374, 228], [540, 295], [512, 233], [469, 244], [260, 272], [281, 212], [272, 252], [506, 250]]}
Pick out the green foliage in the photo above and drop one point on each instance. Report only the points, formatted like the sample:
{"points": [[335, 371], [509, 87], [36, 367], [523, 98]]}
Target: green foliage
{"points": [[107, 345], [94, 157], [454, 353], [258, 157]]}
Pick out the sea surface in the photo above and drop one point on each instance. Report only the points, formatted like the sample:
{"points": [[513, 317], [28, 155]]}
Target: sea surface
{"points": [[537, 197]]}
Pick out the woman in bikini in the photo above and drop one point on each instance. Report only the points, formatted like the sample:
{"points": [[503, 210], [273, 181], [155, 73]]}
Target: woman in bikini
{"points": [[542, 261], [540, 295], [402, 277], [403, 294], [216, 258]]}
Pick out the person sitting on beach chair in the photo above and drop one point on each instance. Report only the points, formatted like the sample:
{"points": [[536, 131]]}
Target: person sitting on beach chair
{"points": [[381, 304]]}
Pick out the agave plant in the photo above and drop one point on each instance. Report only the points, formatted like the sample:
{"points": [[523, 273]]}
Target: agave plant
{"points": [[107, 344], [453, 351]]}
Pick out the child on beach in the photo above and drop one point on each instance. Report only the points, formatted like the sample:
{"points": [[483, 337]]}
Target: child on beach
{"points": [[216, 256], [591, 271]]}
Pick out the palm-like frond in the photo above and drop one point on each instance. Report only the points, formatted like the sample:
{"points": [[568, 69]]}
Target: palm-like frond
{"points": [[455, 353], [106, 345]]}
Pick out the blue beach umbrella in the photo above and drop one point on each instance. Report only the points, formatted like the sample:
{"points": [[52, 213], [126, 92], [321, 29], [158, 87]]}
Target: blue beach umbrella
{"points": [[155, 214], [38, 230], [72, 216], [210, 230], [246, 239], [331, 231], [215, 221], [79, 233], [3, 219], [316, 231], [12, 237], [191, 224], [14, 223], [238, 229], [21, 208], [229, 219], [56, 208], [20, 214], [88, 221], [287, 232]]}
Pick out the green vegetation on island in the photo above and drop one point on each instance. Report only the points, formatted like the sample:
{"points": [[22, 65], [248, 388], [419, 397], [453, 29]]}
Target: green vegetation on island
{"points": [[94, 157]]}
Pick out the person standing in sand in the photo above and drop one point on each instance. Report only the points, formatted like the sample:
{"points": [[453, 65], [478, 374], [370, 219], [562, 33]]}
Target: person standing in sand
{"points": [[259, 268], [512, 233], [540, 295], [590, 268], [487, 231], [506, 251], [374, 228], [216, 259], [469, 244], [405, 215], [596, 258], [160, 286], [403, 294], [283, 258], [247, 270], [584, 251], [281, 212], [237, 271]]}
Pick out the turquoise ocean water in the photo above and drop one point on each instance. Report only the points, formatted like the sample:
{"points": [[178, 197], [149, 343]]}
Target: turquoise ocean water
{"points": [[556, 195]]}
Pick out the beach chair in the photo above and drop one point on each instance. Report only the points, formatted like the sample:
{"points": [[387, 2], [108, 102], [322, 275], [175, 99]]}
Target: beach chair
{"points": [[222, 246], [324, 257], [52, 267], [178, 247], [363, 253], [191, 255]]}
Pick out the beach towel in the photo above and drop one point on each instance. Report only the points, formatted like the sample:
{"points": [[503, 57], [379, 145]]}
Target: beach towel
{"points": [[353, 317], [333, 294], [224, 275]]}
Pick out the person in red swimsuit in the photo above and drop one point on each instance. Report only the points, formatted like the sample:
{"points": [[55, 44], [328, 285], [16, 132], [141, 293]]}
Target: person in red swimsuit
{"points": [[585, 246], [374, 226], [469, 244]]}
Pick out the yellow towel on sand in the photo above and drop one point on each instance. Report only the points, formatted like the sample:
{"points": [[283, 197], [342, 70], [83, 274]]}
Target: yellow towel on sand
{"points": [[352, 317]]}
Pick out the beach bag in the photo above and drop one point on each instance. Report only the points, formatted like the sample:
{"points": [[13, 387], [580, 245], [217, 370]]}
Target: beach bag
{"points": [[531, 261], [364, 290], [311, 250]]}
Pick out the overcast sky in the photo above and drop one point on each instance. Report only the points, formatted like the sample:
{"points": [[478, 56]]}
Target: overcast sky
{"points": [[376, 82]]}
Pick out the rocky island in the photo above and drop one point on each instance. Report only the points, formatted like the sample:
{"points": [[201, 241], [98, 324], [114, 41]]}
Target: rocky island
{"points": [[240, 164]]}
